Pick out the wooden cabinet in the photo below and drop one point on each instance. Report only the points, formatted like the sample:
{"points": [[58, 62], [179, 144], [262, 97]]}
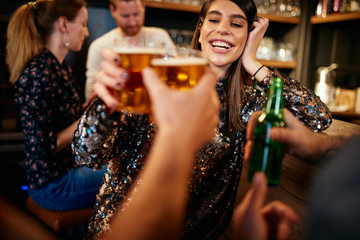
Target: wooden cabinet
{"points": [[333, 39], [331, 18]]}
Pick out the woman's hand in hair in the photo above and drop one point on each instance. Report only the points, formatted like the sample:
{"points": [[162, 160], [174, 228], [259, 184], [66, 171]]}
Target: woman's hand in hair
{"points": [[256, 34]]}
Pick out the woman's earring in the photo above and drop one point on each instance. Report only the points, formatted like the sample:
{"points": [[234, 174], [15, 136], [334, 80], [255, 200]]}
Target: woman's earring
{"points": [[66, 42]]}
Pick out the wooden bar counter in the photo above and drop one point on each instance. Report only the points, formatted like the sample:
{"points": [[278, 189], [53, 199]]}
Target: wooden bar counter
{"points": [[296, 179]]}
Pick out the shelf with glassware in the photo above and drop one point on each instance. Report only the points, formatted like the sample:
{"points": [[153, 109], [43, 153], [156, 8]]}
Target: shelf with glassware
{"points": [[334, 40], [338, 17], [196, 9], [173, 6]]}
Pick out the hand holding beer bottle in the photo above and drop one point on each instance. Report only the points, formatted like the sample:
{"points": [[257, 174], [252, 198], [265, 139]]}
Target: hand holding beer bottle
{"points": [[267, 154]]}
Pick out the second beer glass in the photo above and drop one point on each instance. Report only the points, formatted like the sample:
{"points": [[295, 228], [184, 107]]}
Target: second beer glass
{"points": [[182, 71]]}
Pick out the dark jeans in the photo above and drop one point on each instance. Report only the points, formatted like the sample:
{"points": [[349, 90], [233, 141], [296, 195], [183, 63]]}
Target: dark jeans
{"points": [[75, 190]]}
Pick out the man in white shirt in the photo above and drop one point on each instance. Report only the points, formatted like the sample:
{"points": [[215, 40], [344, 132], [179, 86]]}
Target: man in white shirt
{"points": [[129, 16]]}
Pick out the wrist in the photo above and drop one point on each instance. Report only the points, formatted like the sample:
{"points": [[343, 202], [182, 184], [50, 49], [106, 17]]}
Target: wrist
{"points": [[174, 156], [176, 139], [257, 70]]}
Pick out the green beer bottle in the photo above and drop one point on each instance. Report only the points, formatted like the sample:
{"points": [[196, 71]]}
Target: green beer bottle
{"points": [[267, 154]]}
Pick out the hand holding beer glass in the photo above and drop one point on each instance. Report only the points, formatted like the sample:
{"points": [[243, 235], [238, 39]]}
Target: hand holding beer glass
{"points": [[180, 72]]}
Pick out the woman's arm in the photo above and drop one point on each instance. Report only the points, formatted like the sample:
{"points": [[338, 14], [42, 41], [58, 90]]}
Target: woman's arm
{"points": [[64, 138], [93, 142], [248, 58], [302, 102]]}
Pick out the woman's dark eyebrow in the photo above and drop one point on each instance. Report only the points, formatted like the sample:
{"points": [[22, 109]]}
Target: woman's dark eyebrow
{"points": [[238, 16], [215, 12]]}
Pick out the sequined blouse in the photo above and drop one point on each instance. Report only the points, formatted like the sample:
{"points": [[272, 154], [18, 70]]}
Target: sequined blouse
{"points": [[48, 101], [124, 141]]}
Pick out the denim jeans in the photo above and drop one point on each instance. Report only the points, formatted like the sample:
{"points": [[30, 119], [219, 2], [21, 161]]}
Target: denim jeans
{"points": [[75, 190]]}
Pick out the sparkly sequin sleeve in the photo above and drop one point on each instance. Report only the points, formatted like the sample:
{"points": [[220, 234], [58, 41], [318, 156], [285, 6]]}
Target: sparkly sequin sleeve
{"points": [[301, 101], [95, 135]]}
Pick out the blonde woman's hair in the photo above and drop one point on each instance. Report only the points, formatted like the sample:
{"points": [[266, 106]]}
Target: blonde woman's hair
{"points": [[31, 26], [23, 41]]}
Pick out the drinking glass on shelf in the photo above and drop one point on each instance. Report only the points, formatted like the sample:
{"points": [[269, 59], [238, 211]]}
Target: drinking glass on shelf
{"points": [[267, 49], [296, 11], [188, 2], [285, 52], [262, 6], [273, 7], [282, 7]]}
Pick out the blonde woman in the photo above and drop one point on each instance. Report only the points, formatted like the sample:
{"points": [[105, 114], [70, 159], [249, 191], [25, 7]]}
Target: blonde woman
{"points": [[40, 35]]}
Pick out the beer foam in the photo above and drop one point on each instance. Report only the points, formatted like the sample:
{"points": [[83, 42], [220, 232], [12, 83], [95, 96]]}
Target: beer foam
{"points": [[178, 61], [138, 50]]}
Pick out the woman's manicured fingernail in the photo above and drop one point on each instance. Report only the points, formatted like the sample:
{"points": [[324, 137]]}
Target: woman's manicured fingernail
{"points": [[124, 75]]}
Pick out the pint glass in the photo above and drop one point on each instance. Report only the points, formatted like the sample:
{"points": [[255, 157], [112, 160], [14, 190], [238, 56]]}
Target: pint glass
{"points": [[134, 97]]}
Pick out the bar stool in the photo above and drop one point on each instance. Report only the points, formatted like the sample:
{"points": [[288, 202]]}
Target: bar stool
{"points": [[59, 220]]}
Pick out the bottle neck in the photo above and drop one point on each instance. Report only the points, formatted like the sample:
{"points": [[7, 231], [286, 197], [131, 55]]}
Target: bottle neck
{"points": [[275, 101]]}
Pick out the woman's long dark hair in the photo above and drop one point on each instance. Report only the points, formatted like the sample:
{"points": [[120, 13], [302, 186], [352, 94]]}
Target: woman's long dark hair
{"points": [[237, 77]]}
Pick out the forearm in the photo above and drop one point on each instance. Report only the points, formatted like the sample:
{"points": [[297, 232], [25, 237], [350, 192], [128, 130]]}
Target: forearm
{"points": [[64, 138], [92, 142], [257, 70], [159, 202], [330, 144]]}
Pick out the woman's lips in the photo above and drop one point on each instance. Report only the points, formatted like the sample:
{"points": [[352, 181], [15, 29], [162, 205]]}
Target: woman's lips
{"points": [[220, 46]]}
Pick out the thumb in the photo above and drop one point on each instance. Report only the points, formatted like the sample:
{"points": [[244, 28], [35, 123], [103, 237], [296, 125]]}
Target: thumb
{"points": [[207, 79], [259, 191], [152, 82]]}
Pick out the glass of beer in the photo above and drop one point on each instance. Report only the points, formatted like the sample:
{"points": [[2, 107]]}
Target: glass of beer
{"points": [[182, 71], [134, 97]]}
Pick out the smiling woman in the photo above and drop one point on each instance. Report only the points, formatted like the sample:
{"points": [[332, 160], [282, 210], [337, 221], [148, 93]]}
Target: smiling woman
{"points": [[229, 33]]}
